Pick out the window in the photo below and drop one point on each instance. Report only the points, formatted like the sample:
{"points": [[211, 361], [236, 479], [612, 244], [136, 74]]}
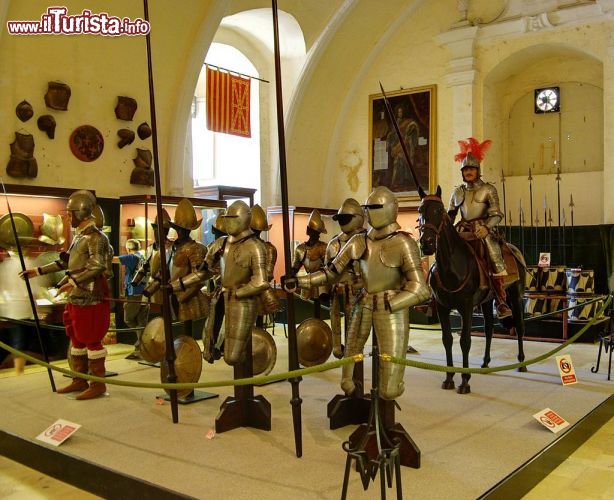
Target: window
{"points": [[224, 159]]}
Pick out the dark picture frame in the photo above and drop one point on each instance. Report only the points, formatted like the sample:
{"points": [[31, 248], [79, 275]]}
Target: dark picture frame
{"points": [[415, 110]]}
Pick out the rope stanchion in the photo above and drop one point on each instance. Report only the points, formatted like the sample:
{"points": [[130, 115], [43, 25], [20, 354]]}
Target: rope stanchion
{"points": [[454, 369], [532, 318], [259, 380], [387, 358], [48, 326]]}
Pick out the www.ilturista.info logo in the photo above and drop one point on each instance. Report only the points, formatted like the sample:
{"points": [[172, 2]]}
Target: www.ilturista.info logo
{"points": [[57, 21]]}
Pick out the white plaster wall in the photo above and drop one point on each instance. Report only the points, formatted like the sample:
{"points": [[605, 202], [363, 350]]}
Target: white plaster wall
{"points": [[98, 69]]}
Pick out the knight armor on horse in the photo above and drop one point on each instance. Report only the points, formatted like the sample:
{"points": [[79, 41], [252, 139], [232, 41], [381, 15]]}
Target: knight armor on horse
{"points": [[478, 202]]}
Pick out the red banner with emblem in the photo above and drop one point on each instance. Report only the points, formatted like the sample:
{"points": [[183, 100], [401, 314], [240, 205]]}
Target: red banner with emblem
{"points": [[228, 103]]}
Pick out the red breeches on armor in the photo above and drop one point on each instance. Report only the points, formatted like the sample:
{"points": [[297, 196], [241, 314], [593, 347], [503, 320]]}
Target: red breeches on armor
{"points": [[87, 325]]}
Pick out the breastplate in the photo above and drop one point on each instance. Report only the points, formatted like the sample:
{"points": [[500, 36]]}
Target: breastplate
{"points": [[376, 275], [235, 264], [184, 256], [314, 257], [475, 205]]}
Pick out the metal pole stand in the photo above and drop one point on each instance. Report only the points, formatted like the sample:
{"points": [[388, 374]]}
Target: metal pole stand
{"points": [[380, 444]]}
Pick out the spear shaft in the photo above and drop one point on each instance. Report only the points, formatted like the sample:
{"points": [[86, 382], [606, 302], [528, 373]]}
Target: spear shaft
{"points": [[28, 287], [166, 305], [400, 136], [296, 400]]}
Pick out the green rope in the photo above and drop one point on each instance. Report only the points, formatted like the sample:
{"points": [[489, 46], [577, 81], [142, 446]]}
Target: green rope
{"points": [[195, 385], [306, 371], [452, 369], [48, 326]]}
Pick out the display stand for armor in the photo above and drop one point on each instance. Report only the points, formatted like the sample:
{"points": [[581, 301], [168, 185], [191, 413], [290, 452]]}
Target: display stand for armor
{"points": [[385, 409], [380, 444], [345, 410], [244, 409]]}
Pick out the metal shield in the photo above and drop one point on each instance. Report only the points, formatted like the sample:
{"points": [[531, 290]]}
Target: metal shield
{"points": [[153, 344], [188, 364], [264, 352], [24, 226], [314, 340]]}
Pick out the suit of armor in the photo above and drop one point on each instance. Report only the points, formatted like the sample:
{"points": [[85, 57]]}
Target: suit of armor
{"points": [[88, 266], [311, 258], [478, 203], [390, 267], [271, 259], [241, 259], [186, 256], [87, 313], [351, 219]]}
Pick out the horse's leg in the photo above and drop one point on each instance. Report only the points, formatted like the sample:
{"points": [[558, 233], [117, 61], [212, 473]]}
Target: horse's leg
{"points": [[488, 328], [446, 337], [515, 296], [466, 311]]}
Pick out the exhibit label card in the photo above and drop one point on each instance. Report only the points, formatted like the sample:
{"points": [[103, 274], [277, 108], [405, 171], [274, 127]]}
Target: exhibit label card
{"points": [[58, 432], [551, 420], [566, 370]]}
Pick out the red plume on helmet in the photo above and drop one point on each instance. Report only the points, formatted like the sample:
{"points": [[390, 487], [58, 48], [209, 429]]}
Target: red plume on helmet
{"points": [[474, 148]]}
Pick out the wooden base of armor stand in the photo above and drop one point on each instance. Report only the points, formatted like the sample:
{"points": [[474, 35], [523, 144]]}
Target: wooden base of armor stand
{"points": [[193, 397], [345, 410], [244, 409]]}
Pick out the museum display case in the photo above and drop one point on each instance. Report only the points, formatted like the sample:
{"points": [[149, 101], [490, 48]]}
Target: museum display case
{"points": [[44, 231], [136, 213]]}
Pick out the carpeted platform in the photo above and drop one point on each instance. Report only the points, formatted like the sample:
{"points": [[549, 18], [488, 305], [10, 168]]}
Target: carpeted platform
{"points": [[468, 443]]}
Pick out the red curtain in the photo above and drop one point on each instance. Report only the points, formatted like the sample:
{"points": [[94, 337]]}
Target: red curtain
{"points": [[228, 103]]}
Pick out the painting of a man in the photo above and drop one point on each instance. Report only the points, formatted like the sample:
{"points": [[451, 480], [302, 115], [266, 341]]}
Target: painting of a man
{"points": [[414, 113]]}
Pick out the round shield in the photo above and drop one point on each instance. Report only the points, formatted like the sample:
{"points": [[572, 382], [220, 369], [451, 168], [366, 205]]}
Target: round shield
{"points": [[86, 143], [264, 351], [314, 340], [153, 344], [24, 226], [188, 364]]}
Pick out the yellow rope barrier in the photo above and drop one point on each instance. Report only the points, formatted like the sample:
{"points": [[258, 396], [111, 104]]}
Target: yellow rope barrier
{"points": [[313, 369]]}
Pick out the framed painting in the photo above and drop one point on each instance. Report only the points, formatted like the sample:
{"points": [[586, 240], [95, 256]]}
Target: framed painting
{"points": [[415, 114]]}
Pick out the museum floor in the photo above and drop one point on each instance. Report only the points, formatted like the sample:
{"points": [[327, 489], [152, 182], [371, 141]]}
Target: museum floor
{"points": [[468, 443]]}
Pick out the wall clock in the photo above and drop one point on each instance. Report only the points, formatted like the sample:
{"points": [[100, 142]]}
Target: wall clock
{"points": [[548, 100]]}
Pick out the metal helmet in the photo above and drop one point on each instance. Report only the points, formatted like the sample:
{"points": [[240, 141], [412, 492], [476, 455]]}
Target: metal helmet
{"points": [[259, 222], [350, 216], [382, 207], [166, 219], [470, 161], [81, 202], [237, 218], [185, 216], [316, 223], [98, 216], [219, 225]]}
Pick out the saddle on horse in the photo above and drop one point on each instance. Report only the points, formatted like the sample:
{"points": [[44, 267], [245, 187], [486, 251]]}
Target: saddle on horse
{"points": [[497, 283]]}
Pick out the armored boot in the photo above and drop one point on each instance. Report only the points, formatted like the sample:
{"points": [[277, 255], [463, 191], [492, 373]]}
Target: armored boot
{"points": [[96, 388], [498, 284], [79, 365]]}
